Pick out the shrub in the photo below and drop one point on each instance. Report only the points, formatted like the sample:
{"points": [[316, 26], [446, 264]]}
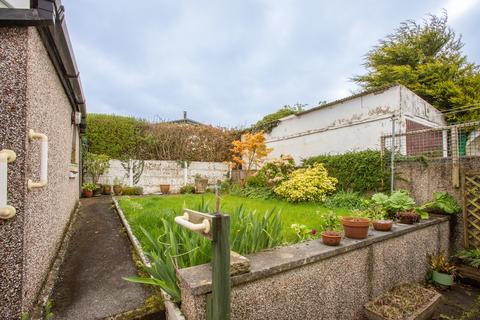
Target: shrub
{"points": [[189, 188], [345, 199], [132, 191], [262, 193], [442, 202], [307, 184], [359, 171], [399, 201], [329, 221], [273, 172], [95, 165]]}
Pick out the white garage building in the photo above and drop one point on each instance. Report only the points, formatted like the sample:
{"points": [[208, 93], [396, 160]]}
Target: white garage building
{"points": [[352, 124]]}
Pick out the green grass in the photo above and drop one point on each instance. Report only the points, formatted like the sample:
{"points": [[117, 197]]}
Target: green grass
{"points": [[149, 210]]}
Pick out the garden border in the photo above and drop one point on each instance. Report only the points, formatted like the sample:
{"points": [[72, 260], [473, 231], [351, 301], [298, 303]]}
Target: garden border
{"points": [[172, 311]]}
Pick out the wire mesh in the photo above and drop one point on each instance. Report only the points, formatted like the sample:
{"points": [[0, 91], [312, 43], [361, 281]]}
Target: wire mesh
{"points": [[458, 141]]}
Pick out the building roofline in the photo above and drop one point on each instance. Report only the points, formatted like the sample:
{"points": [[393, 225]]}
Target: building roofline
{"points": [[357, 95], [49, 19]]}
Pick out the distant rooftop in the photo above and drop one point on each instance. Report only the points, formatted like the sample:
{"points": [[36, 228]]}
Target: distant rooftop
{"points": [[186, 120]]}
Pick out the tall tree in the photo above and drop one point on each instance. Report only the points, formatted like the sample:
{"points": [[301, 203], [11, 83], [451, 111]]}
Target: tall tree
{"points": [[427, 58]]}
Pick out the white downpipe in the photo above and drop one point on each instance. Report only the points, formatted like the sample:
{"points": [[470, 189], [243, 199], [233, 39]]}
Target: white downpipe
{"points": [[6, 157], [32, 135]]}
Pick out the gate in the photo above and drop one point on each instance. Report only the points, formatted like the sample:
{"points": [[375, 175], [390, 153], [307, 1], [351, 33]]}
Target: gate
{"points": [[471, 210]]}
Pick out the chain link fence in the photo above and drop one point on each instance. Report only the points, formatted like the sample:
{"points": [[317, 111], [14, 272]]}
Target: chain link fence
{"points": [[450, 142]]}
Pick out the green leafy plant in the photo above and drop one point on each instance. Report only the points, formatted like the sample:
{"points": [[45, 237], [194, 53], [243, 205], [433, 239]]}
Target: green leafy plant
{"points": [[471, 257], [176, 247], [95, 165], [441, 263], [442, 202], [24, 316], [359, 171], [187, 189], [399, 201], [132, 191], [376, 212], [302, 232], [307, 184], [345, 199], [89, 186], [47, 310], [329, 221], [262, 193]]}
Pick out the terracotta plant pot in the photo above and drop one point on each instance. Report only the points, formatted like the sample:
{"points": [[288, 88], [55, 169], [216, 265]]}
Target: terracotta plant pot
{"points": [[87, 193], [331, 238], [201, 185], [165, 188], [107, 189], [383, 225], [117, 190], [408, 217], [356, 228]]}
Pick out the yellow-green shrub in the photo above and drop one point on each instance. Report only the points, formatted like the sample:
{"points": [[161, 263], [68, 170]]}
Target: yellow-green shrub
{"points": [[307, 184]]}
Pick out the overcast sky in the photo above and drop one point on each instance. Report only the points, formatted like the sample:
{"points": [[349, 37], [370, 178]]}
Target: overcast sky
{"points": [[231, 62]]}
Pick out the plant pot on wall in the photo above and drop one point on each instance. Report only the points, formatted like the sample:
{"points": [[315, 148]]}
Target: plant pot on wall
{"points": [[408, 217], [383, 225], [355, 228], [98, 191], [331, 238], [107, 189], [165, 188], [87, 193], [201, 185], [117, 190]]}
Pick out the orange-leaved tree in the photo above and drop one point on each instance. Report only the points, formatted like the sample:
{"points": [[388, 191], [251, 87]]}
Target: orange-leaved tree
{"points": [[249, 152]]}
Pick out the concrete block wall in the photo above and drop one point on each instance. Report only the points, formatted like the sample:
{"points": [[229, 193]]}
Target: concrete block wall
{"points": [[167, 172], [314, 281]]}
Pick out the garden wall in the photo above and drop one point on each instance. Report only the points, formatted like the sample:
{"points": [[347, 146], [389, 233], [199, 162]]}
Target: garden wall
{"points": [[314, 281], [423, 178], [157, 172]]}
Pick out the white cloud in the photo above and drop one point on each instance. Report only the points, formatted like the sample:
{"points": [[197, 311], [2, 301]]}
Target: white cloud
{"points": [[457, 8]]}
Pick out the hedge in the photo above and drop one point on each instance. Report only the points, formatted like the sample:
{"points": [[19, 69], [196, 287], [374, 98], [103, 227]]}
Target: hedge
{"points": [[360, 171], [122, 137]]}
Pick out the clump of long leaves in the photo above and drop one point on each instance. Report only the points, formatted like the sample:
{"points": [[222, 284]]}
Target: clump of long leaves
{"points": [[442, 202], [176, 247], [471, 257]]}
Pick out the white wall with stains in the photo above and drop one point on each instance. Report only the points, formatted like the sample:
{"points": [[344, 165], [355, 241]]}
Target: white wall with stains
{"points": [[351, 124]]}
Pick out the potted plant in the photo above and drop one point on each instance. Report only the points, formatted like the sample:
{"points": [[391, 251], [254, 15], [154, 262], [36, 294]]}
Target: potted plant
{"points": [[107, 189], [117, 187], [201, 184], [408, 217], [356, 226], [98, 190], [165, 188], [87, 189], [330, 225], [468, 265], [443, 272], [378, 216]]}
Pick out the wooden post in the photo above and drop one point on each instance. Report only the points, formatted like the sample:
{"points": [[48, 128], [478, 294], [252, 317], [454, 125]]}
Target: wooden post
{"points": [[220, 306]]}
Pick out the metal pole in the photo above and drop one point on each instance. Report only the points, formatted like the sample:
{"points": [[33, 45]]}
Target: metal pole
{"points": [[392, 157]]}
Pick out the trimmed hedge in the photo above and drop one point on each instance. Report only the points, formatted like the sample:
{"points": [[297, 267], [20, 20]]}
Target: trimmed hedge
{"points": [[359, 171]]}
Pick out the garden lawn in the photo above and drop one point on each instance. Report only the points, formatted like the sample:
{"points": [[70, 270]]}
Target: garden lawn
{"points": [[148, 211]]}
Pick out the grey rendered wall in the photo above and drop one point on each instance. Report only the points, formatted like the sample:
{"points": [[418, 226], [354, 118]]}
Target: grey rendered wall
{"points": [[13, 109], [32, 97], [313, 281]]}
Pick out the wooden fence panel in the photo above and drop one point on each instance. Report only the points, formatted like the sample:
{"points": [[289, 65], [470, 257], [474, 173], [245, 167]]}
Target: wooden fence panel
{"points": [[471, 210]]}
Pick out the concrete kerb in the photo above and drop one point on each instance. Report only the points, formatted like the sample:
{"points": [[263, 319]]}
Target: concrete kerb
{"points": [[172, 310]]}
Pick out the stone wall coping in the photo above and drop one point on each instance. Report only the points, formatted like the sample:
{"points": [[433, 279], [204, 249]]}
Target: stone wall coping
{"points": [[198, 279]]}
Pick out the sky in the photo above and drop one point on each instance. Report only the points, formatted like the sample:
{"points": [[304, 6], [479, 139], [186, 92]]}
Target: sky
{"points": [[231, 62]]}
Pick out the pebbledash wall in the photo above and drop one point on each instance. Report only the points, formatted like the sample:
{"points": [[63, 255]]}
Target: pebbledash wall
{"points": [[157, 172], [423, 178], [314, 281], [32, 97]]}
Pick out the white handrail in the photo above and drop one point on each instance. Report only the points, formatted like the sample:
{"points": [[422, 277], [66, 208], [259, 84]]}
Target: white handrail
{"points": [[6, 157], [32, 135], [183, 221]]}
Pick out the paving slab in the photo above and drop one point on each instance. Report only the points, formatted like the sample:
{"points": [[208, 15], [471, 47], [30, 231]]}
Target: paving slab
{"points": [[90, 284]]}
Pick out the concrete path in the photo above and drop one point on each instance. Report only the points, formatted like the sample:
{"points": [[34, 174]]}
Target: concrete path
{"points": [[90, 284]]}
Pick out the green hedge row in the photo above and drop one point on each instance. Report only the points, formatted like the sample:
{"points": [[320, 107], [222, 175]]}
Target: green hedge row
{"points": [[361, 171]]}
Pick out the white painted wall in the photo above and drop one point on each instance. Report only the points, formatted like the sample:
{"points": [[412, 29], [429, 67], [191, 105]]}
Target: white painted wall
{"points": [[351, 125], [167, 172]]}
